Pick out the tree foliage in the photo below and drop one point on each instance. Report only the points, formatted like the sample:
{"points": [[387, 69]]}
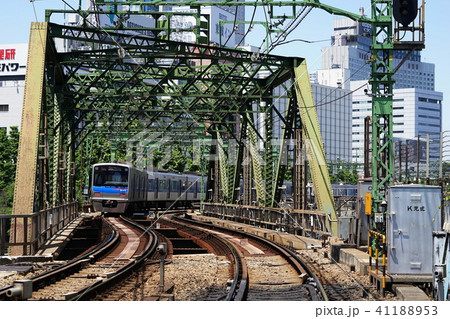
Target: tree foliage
{"points": [[8, 160], [343, 173]]}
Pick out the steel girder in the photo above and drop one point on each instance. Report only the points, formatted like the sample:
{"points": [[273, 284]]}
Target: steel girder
{"points": [[157, 86]]}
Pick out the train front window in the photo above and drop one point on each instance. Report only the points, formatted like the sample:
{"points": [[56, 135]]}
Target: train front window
{"points": [[115, 176]]}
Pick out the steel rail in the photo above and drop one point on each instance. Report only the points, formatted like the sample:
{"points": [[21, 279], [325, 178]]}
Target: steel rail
{"points": [[289, 255], [74, 265], [240, 283], [92, 291]]}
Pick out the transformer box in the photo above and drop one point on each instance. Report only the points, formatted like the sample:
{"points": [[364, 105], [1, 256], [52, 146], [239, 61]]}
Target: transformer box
{"points": [[413, 214]]}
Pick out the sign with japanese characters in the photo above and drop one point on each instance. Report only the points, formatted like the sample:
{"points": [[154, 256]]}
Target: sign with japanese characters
{"points": [[13, 59]]}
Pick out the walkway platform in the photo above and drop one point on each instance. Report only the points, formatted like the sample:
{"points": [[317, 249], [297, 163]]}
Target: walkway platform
{"points": [[290, 240], [402, 285], [356, 257], [47, 253], [53, 247], [410, 293]]}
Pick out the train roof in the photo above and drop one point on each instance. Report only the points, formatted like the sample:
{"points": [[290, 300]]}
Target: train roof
{"points": [[152, 170]]}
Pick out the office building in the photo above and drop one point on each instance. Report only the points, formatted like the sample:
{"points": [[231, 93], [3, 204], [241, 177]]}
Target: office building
{"points": [[417, 108]]}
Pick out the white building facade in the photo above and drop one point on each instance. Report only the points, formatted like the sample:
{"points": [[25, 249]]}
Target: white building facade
{"points": [[417, 108], [415, 112]]}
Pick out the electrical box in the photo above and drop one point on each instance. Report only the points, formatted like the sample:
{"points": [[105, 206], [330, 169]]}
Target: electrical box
{"points": [[413, 214]]}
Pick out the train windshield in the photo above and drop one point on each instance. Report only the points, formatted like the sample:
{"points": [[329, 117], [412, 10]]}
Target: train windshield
{"points": [[108, 175]]}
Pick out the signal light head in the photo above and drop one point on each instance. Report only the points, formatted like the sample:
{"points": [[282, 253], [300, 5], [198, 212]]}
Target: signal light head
{"points": [[405, 11]]}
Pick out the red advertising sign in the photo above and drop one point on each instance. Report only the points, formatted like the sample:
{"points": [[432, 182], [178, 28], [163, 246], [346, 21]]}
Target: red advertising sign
{"points": [[7, 54]]}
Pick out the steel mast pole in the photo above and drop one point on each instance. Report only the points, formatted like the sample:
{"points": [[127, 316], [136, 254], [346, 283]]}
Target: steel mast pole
{"points": [[382, 83]]}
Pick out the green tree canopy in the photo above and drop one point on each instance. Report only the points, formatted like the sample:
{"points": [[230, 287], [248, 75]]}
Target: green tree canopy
{"points": [[8, 155]]}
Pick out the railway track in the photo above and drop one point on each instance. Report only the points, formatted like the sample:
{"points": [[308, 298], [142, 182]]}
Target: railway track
{"points": [[262, 269], [90, 275], [241, 267]]}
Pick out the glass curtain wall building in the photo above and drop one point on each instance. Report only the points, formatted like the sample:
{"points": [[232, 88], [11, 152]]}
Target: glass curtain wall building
{"points": [[417, 106]]}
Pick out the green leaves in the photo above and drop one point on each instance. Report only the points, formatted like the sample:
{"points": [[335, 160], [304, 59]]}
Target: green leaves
{"points": [[8, 159], [8, 155]]}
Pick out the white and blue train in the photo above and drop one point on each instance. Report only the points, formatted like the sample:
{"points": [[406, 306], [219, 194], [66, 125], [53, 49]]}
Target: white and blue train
{"points": [[122, 188]]}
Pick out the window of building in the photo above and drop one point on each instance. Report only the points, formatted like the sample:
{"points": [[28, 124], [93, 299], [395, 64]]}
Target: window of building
{"points": [[4, 107], [429, 109]]}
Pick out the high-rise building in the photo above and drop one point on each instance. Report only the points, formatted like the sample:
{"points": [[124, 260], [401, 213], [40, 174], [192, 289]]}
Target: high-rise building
{"points": [[415, 112], [347, 59], [334, 111], [225, 22], [417, 108]]}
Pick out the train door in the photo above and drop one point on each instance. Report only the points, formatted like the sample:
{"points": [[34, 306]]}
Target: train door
{"points": [[169, 186], [150, 189], [195, 189]]}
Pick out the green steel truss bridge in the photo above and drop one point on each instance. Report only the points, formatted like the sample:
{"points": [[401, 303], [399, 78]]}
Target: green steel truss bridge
{"points": [[132, 85]]}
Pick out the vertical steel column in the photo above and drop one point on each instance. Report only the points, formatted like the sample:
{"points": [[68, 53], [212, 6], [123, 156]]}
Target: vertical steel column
{"points": [[55, 162], [382, 90], [367, 149], [283, 156], [256, 162], [315, 149], [300, 172], [268, 155], [237, 162], [27, 159], [70, 165], [224, 171], [247, 177]]}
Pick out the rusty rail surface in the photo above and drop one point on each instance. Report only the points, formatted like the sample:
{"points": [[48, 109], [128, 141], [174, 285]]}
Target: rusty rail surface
{"points": [[288, 255]]}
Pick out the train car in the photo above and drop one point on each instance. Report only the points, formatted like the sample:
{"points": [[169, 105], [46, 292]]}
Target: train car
{"points": [[173, 190], [118, 188], [121, 188]]}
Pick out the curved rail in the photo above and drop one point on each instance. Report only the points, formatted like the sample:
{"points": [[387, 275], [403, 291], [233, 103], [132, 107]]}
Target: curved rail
{"points": [[76, 265], [71, 266], [123, 272], [289, 255], [239, 286]]}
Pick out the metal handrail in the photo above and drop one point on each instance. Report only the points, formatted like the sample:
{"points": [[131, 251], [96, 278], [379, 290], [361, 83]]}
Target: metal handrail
{"points": [[36, 227]]}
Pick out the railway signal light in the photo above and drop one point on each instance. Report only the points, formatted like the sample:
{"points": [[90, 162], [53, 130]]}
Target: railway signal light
{"points": [[405, 11]]}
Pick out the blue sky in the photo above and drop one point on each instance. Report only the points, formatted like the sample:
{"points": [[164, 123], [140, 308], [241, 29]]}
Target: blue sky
{"points": [[18, 14]]}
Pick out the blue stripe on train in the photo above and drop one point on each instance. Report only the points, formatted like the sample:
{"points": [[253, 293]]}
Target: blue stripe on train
{"points": [[110, 189]]}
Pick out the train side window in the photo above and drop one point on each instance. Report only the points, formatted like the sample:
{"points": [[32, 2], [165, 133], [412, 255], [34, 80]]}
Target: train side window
{"points": [[162, 185], [174, 187], [151, 185]]}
